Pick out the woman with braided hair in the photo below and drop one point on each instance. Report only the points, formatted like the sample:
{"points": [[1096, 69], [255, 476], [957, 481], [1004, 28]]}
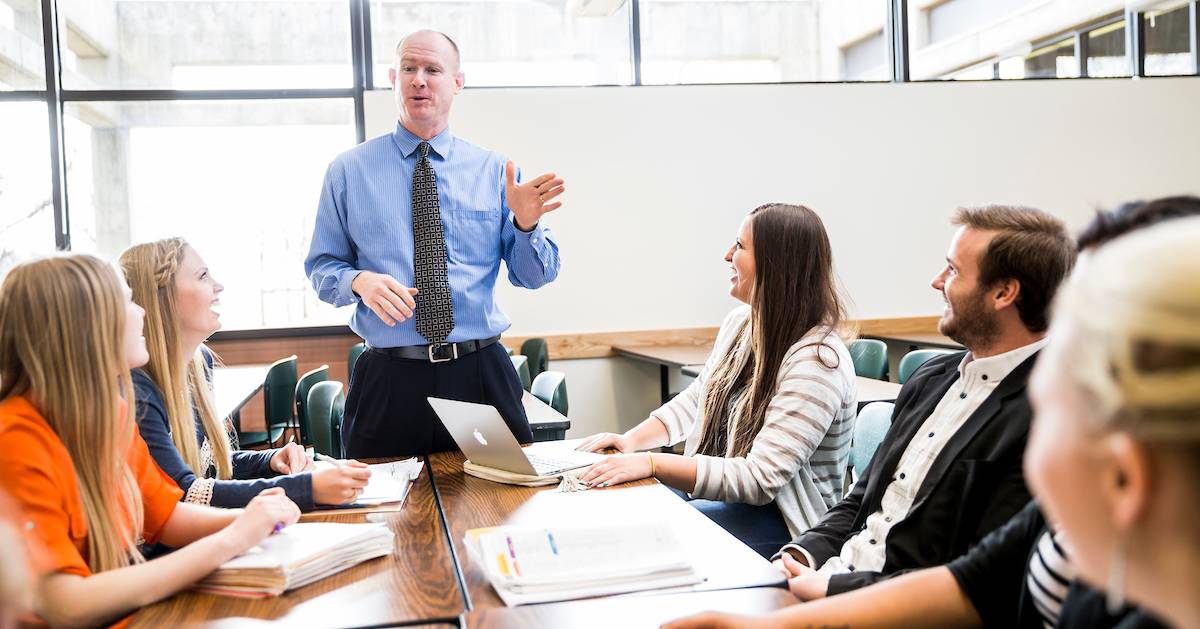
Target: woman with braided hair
{"points": [[174, 395]]}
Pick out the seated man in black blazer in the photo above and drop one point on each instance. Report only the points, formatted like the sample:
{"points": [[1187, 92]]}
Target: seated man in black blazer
{"points": [[949, 469]]}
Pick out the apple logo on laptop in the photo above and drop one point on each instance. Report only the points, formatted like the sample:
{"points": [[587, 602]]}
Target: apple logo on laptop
{"points": [[479, 437]]}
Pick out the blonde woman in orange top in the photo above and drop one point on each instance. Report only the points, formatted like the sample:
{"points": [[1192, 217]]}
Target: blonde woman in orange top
{"points": [[88, 492]]}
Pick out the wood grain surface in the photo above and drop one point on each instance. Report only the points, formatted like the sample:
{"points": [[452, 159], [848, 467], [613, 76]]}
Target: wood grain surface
{"points": [[416, 583]]}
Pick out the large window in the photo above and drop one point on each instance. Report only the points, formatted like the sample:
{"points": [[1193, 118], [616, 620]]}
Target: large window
{"points": [[215, 119], [26, 213], [240, 180], [126, 44], [516, 42], [21, 54], [762, 41]]}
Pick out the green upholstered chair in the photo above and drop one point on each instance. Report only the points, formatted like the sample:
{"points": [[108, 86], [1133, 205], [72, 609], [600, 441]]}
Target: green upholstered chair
{"points": [[303, 386], [869, 429], [551, 388], [870, 358], [279, 397], [325, 405], [521, 364], [356, 350], [539, 357], [913, 360], [279, 405]]}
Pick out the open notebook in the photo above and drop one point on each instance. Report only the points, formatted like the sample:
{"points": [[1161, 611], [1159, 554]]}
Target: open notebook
{"points": [[529, 564], [298, 555]]}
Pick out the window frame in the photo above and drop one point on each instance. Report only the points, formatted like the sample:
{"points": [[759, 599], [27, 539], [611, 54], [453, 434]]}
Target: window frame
{"points": [[895, 32]]}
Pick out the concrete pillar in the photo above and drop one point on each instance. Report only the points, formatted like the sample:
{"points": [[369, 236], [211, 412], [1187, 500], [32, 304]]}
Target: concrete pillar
{"points": [[110, 185]]}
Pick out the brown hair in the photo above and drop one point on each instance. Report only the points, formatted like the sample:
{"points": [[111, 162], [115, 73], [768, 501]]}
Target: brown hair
{"points": [[1032, 247], [795, 290], [62, 330]]}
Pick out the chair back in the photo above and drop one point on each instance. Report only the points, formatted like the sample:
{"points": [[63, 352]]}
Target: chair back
{"points": [[539, 356], [872, 424], [356, 350], [279, 393], [870, 358], [521, 364], [913, 360], [303, 386], [325, 405], [551, 388]]}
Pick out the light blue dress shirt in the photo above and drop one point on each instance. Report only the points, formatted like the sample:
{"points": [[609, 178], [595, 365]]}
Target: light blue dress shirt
{"points": [[364, 223]]}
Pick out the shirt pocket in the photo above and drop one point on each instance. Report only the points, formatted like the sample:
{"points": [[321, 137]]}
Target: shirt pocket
{"points": [[472, 236]]}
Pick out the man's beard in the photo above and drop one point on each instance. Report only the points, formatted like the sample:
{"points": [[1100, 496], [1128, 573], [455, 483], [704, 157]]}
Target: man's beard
{"points": [[971, 323]]}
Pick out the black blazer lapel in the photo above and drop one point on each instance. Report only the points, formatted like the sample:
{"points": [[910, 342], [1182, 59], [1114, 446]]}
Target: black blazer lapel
{"points": [[1012, 385], [903, 429]]}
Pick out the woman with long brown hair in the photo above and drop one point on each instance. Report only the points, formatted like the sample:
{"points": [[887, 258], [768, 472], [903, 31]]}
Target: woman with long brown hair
{"points": [[767, 423], [175, 411], [88, 492]]}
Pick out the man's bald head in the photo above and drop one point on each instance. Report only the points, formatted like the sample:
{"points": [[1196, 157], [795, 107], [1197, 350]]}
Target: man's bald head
{"points": [[425, 33]]}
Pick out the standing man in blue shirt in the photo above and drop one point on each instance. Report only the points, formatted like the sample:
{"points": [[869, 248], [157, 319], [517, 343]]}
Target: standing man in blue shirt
{"points": [[412, 227]]}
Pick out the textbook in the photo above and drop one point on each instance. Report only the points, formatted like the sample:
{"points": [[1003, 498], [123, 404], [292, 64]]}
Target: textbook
{"points": [[296, 556], [529, 564]]}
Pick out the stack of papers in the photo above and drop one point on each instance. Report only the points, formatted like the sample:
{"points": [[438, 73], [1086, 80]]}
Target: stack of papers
{"points": [[538, 564], [390, 482], [298, 555]]}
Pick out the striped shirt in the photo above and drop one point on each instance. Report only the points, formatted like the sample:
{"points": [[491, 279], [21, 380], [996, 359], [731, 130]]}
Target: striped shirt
{"points": [[364, 223], [1049, 577], [799, 457]]}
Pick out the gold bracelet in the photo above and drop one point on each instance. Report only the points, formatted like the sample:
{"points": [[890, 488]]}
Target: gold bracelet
{"points": [[651, 455]]}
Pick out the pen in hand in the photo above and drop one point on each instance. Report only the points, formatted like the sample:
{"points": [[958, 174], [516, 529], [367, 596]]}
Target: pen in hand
{"points": [[328, 459]]}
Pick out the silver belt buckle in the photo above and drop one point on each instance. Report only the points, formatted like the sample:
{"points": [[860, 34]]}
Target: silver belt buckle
{"points": [[431, 348]]}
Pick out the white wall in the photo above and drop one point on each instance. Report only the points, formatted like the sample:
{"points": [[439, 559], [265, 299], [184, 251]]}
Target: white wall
{"points": [[658, 179]]}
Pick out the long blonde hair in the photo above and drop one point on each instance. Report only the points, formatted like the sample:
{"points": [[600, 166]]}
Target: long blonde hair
{"points": [[151, 269], [62, 330], [1133, 315]]}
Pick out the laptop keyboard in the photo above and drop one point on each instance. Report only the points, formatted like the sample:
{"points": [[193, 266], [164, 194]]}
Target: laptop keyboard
{"points": [[548, 464]]}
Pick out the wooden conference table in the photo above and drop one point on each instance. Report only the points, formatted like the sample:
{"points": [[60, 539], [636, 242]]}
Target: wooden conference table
{"points": [[430, 579]]}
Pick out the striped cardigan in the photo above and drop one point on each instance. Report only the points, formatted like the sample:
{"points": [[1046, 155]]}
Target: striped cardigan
{"points": [[799, 457]]}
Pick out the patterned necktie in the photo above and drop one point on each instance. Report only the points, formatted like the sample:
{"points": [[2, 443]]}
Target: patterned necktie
{"points": [[435, 313]]}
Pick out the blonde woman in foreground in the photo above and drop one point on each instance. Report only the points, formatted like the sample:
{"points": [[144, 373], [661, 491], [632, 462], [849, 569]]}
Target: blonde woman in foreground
{"points": [[1113, 457], [87, 490]]}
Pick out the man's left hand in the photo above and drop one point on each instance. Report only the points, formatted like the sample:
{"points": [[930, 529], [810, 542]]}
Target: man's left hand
{"points": [[529, 201], [809, 584]]}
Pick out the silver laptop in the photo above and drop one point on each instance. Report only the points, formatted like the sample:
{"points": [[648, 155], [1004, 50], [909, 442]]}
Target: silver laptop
{"points": [[482, 435]]}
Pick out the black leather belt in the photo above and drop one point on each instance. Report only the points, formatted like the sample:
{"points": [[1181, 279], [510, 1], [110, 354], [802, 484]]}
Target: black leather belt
{"points": [[438, 353]]}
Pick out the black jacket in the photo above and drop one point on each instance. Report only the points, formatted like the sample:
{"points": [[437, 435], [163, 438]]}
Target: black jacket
{"points": [[975, 484], [994, 576]]}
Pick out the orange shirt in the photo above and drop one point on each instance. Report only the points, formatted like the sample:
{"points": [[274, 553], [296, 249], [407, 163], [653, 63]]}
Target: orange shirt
{"points": [[36, 470]]}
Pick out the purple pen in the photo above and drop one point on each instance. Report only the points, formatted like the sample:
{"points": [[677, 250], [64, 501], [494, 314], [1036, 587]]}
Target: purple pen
{"points": [[278, 527]]}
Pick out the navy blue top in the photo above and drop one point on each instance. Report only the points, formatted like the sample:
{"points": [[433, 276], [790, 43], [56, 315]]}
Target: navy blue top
{"points": [[252, 471]]}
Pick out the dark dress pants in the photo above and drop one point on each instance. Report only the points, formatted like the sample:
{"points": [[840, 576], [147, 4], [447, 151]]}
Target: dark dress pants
{"points": [[387, 414]]}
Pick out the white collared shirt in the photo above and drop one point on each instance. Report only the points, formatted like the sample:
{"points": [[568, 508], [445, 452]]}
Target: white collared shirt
{"points": [[978, 379]]}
